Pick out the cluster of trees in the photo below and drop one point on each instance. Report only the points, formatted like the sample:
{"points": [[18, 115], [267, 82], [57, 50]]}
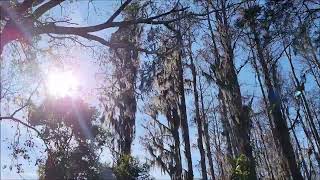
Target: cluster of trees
{"points": [[244, 76]]}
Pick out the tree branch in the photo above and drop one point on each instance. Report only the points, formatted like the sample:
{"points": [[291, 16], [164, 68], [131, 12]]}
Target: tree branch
{"points": [[45, 7], [26, 125], [26, 4], [121, 8], [51, 28]]}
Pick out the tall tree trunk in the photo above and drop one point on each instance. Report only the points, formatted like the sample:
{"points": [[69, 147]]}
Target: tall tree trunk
{"points": [[164, 145], [283, 162], [172, 117], [183, 116], [182, 102], [225, 125], [297, 142], [125, 73], [206, 134], [265, 153], [126, 64], [226, 79], [307, 108], [281, 129], [198, 120]]}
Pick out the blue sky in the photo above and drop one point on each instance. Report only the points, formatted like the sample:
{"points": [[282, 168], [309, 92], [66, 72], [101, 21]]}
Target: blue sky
{"points": [[83, 61]]}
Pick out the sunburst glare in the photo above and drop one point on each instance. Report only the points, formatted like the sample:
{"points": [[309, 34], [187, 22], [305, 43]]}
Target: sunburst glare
{"points": [[62, 83]]}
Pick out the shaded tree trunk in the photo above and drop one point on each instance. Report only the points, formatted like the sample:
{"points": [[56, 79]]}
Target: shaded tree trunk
{"points": [[126, 74], [172, 117], [307, 108], [184, 118], [126, 64], [182, 101], [198, 120], [265, 153], [225, 124], [226, 79], [281, 129], [206, 134]]}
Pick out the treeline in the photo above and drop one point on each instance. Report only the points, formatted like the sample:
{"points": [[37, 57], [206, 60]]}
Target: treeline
{"points": [[244, 76]]}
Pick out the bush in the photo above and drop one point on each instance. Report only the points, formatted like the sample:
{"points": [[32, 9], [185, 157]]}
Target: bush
{"points": [[129, 167]]}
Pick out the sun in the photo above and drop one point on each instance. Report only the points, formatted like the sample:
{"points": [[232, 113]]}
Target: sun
{"points": [[62, 83]]}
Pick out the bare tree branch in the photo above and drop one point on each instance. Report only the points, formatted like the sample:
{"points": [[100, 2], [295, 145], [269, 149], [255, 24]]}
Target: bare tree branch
{"points": [[45, 7], [51, 28], [121, 8], [28, 126]]}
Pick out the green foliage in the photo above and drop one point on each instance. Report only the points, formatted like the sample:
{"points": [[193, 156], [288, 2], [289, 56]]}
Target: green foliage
{"points": [[241, 168], [74, 138], [129, 167]]}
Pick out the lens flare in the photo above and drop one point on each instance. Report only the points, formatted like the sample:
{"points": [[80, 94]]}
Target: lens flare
{"points": [[62, 83]]}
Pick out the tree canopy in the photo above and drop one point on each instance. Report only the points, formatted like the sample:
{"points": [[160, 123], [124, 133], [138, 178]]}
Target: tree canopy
{"points": [[209, 89]]}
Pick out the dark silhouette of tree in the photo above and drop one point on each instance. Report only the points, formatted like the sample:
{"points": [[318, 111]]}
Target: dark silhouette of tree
{"points": [[162, 139], [225, 76], [126, 64], [73, 137]]}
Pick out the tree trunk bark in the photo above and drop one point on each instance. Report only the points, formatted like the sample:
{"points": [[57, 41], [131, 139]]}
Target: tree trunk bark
{"points": [[183, 113], [198, 120], [227, 81], [206, 135], [281, 129], [225, 125], [173, 118]]}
